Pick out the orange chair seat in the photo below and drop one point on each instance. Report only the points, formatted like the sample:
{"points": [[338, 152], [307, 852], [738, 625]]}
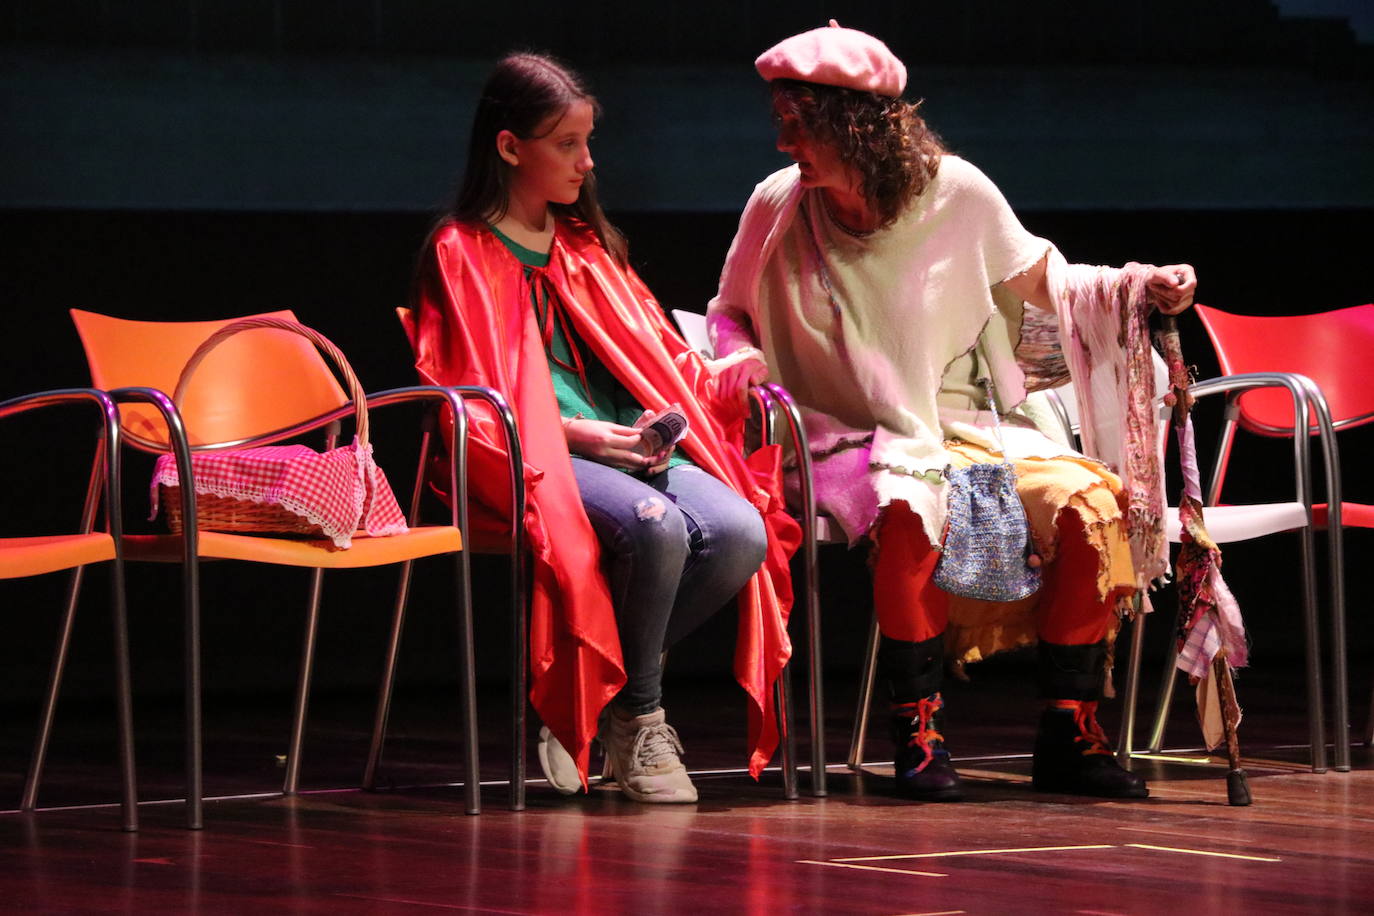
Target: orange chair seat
{"points": [[366, 551], [34, 556]]}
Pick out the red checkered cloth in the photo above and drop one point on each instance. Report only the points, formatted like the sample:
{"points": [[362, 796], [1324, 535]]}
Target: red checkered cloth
{"points": [[342, 490]]}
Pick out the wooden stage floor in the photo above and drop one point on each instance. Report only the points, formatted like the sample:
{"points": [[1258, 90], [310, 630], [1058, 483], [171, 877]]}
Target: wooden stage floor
{"points": [[1305, 846]]}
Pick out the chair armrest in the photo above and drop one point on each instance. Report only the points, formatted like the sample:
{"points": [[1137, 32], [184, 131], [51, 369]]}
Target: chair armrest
{"points": [[456, 396], [26, 402], [774, 401], [1306, 395], [107, 463], [181, 453]]}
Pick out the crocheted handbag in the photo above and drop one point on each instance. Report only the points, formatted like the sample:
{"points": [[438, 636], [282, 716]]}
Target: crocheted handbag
{"points": [[987, 547]]}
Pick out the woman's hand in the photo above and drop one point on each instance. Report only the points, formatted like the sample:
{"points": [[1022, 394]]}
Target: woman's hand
{"points": [[736, 372], [609, 443], [1172, 288]]}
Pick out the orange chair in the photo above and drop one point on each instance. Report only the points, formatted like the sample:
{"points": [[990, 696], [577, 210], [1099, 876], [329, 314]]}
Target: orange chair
{"points": [[258, 388], [21, 557], [1330, 350], [512, 545]]}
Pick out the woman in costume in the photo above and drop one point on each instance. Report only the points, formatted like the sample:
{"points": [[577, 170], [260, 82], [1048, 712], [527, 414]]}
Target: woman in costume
{"points": [[882, 278], [524, 286]]}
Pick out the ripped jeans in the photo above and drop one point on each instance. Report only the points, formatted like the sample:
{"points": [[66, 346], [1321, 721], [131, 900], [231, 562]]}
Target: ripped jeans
{"points": [[675, 548]]}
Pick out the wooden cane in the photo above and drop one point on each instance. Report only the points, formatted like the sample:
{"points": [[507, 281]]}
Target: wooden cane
{"points": [[1237, 783]]}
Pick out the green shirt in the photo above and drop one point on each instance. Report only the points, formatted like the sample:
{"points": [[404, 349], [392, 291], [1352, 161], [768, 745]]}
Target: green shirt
{"points": [[603, 397]]}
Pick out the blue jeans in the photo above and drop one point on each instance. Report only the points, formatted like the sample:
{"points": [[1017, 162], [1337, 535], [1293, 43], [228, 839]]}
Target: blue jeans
{"points": [[675, 548]]}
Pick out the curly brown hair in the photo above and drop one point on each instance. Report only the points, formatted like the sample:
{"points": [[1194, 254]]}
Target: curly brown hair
{"points": [[890, 145]]}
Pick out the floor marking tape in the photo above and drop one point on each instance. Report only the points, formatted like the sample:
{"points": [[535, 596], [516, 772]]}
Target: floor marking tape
{"points": [[973, 852], [1204, 852], [896, 871]]}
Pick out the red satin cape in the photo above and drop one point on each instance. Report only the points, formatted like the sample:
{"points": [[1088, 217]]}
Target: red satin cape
{"points": [[471, 323]]}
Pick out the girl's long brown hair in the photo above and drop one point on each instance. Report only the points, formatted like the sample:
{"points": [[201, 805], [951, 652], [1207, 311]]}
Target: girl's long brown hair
{"points": [[521, 93]]}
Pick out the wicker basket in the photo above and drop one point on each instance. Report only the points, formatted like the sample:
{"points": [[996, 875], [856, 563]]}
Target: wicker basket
{"points": [[219, 513]]}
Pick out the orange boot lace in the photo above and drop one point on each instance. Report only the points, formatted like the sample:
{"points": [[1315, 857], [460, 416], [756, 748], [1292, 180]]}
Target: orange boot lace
{"points": [[1090, 733], [923, 734]]}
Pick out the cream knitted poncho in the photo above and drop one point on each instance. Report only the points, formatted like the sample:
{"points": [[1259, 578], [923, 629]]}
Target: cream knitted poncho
{"points": [[868, 366]]}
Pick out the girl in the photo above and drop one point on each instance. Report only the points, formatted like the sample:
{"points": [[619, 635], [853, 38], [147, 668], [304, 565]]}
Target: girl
{"points": [[524, 286]]}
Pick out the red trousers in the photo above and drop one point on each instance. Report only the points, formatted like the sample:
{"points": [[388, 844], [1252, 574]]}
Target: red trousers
{"points": [[912, 608]]}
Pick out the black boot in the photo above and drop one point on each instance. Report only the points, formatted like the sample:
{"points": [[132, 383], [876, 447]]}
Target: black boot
{"points": [[1072, 753], [913, 672], [921, 764]]}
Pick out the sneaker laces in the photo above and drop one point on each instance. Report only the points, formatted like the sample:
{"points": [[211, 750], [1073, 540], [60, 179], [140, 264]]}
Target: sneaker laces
{"points": [[923, 734], [655, 743], [1089, 730]]}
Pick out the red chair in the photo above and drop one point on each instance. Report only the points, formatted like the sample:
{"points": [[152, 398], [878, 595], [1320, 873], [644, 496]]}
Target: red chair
{"points": [[1332, 350]]}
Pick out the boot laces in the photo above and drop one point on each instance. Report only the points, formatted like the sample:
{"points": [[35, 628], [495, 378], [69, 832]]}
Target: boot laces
{"points": [[655, 744], [1090, 732], [923, 733]]}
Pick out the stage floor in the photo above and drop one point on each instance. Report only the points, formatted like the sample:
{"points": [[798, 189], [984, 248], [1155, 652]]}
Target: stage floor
{"points": [[1306, 845]]}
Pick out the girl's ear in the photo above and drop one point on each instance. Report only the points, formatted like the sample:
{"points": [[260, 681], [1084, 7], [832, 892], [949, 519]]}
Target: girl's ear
{"points": [[507, 147]]}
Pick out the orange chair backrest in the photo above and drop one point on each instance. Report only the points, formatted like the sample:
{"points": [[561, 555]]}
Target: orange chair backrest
{"points": [[253, 383], [1334, 349]]}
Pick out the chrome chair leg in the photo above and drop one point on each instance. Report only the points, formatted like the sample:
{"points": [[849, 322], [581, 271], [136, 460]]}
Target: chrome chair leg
{"points": [[1316, 725], [519, 676], [124, 708], [1369, 726], [815, 667], [467, 692], [865, 703], [1340, 693], [29, 799], [302, 701], [1132, 698], [393, 648], [1165, 698], [782, 704]]}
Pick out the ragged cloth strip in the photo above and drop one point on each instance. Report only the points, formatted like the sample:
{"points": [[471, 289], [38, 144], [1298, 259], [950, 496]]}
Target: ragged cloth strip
{"points": [[1209, 620]]}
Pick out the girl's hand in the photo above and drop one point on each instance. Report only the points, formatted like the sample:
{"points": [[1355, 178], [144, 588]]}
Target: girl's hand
{"points": [[1172, 288], [658, 462], [609, 443]]}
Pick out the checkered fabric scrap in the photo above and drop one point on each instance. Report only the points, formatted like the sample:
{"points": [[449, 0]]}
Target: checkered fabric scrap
{"points": [[341, 491]]}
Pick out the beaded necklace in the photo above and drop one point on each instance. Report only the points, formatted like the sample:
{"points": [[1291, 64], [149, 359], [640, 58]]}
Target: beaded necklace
{"points": [[841, 224]]}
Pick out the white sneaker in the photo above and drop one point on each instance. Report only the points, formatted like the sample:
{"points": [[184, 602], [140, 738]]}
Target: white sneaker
{"points": [[642, 754], [558, 766]]}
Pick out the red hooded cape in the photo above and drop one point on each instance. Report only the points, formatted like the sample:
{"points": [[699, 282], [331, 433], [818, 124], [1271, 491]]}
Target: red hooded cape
{"points": [[472, 324]]}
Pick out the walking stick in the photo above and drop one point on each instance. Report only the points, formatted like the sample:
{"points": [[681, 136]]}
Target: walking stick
{"points": [[1237, 783]]}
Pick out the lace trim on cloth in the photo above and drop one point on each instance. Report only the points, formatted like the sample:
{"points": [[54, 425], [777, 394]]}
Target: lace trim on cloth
{"points": [[341, 491]]}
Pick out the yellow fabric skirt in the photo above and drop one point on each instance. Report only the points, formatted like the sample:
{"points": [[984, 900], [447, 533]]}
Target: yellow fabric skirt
{"points": [[1047, 487]]}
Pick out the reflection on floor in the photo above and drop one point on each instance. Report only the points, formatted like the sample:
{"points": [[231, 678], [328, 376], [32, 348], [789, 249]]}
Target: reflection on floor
{"points": [[1306, 845]]}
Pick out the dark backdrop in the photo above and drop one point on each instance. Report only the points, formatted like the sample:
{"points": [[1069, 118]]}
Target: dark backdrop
{"points": [[162, 167]]}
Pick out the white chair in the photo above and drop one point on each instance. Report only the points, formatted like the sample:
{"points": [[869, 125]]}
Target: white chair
{"points": [[1226, 525]]}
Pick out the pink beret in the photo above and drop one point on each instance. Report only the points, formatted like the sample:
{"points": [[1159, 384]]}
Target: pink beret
{"points": [[835, 56]]}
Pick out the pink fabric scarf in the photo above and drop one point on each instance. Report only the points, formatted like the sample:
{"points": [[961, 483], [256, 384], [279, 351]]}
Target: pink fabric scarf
{"points": [[1104, 325]]}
